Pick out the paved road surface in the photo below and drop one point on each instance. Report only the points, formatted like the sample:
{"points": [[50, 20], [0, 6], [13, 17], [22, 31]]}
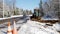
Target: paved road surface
{"points": [[19, 22]]}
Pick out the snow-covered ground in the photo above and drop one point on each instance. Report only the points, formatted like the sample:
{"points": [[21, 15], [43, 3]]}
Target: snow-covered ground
{"points": [[33, 27], [49, 19]]}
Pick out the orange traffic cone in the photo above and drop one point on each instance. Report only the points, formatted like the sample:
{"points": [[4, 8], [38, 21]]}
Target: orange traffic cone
{"points": [[14, 31], [9, 31]]}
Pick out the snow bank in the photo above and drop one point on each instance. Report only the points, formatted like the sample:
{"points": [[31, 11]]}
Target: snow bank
{"points": [[33, 27]]}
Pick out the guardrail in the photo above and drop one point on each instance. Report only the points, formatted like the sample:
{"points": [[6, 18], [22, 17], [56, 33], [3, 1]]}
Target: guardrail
{"points": [[11, 17], [16, 16]]}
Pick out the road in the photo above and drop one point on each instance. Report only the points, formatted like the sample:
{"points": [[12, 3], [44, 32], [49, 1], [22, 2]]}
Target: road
{"points": [[19, 22], [25, 26]]}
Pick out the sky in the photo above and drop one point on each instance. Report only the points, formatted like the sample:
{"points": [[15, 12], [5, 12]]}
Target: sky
{"points": [[28, 4]]}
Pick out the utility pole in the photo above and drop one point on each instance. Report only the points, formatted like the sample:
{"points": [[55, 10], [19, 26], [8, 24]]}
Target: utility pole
{"points": [[3, 8]]}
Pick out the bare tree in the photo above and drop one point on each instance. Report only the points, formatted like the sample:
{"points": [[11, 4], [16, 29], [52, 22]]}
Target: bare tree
{"points": [[14, 1]]}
